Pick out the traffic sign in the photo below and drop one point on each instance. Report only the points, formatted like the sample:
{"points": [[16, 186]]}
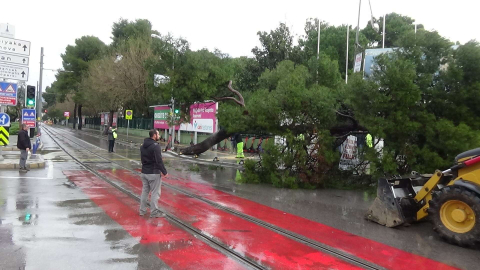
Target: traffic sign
{"points": [[8, 71], [14, 46], [8, 94], [28, 117], [66, 114], [4, 136], [4, 120], [13, 59], [128, 114], [7, 30]]}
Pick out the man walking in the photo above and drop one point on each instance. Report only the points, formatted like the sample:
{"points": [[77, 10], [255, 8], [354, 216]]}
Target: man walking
{"points": [[24, 144], [152, 166]]}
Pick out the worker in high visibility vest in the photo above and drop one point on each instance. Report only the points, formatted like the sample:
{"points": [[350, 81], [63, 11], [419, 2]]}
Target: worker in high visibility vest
{"points": [[112, 135], [369, 140], [239, 140]]}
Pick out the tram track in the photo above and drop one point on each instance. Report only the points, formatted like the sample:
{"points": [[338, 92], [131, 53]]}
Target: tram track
{"points": [[205, 237]]}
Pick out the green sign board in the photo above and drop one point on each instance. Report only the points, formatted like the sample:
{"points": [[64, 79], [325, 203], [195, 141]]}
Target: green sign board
{"points": [[160, 117]]}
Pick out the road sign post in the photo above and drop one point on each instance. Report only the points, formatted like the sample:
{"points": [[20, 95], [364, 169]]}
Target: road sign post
{"points": [[4, 120], [8, 93], [28, 117], [128, 116]]}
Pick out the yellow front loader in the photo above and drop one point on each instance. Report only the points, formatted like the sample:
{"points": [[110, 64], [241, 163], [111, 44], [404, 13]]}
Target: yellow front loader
{"points": [[450, 198]]}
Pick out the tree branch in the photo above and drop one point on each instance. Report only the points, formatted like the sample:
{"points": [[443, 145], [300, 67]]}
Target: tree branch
{"points": [[240, 101]]}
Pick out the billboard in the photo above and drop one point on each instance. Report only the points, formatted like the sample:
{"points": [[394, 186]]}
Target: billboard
{"points": [[358, 63], [160, 117], [370, 55], [203, 118]]}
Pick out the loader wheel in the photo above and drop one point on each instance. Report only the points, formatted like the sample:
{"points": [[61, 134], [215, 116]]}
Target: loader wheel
{"points": [[455, 213]]}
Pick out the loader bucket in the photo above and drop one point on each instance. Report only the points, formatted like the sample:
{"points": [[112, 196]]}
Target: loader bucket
{"points": [[385, 209]]}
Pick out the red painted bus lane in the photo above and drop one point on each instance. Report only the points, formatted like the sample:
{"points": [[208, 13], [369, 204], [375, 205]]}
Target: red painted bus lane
{"points": [[256, 242], [174, 246], [375, 252], [364, 248]]}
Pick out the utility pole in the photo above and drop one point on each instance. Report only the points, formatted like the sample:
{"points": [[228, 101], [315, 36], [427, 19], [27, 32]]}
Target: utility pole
{"points": [[346, 58], [358, 23], [39, 96], [173, 103], [318, 46], [318, 40], [383, 41]]}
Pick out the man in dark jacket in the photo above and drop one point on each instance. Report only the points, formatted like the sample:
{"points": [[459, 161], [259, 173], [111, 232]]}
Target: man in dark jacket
{"points": [[152, 166], [24, 144]]}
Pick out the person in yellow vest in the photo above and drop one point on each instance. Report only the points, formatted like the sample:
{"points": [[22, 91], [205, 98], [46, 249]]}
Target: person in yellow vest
{"points": [[112, 135], [239, 140], [369, 140]]}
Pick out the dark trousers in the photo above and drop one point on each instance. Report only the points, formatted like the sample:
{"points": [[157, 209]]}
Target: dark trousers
{"points": [[111, 143]]}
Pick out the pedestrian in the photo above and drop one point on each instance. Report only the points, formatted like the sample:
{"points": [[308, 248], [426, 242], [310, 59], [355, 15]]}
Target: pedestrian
{"points": [[24, 144], [152, 166], [115, 135], [111, 139], [239, 140]]}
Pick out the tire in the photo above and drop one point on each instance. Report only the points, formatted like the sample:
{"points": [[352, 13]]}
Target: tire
{"points": [[449, 196]]}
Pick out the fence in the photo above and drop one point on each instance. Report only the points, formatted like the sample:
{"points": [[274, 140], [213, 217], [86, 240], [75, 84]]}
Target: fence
{"points": [[136, 123]]}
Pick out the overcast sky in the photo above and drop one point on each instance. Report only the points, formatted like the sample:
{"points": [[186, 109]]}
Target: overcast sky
{"points": [[230, 26]]}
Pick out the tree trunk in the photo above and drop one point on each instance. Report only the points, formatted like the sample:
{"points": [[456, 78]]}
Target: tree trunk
{"points": [[80, 116], [75, 116], [199, 148], [110, 120]]}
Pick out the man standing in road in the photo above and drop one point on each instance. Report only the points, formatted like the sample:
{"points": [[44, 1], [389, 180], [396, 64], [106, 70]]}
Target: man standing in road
{"points": [[24, 144], [152, 166], [111, 139]]}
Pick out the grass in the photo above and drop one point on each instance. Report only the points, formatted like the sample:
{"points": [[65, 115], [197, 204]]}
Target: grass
{"points": [[215, 167], [194, 168]]}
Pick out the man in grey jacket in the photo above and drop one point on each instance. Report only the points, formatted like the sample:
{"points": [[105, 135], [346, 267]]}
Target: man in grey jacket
{"points": [[152, 166]]}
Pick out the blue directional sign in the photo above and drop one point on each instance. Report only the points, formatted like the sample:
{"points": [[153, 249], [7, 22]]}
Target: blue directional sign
{"points": [[8, 94], [4, 120], [28, 117]]}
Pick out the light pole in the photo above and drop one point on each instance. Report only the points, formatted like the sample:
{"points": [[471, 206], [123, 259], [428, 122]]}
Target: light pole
{"points": [[172, 100]]}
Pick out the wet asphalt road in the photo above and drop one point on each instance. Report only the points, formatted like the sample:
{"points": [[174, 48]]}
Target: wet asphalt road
{"points": [[43, 218]]}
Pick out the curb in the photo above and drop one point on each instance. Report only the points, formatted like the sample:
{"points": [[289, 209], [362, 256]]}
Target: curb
{"points": [[40, 164], [175, 154], [229, 164]]}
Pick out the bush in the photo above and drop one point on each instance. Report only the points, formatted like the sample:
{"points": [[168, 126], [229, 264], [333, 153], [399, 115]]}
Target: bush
{"points": [[14, 128]]}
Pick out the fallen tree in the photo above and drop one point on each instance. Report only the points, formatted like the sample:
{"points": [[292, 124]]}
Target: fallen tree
{"points": [[220, 135]]}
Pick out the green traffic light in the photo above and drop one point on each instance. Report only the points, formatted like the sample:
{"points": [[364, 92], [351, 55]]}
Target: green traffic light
{"points": [[177, 111], [30, 102]]}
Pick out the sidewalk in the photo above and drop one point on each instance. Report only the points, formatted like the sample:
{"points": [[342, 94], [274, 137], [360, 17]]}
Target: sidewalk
{"points": [[11, 155], [224, 157]]}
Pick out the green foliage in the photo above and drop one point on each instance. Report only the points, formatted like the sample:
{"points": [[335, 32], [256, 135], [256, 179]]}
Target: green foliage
{"points": [[14, 128], [332, 43], [276, 47], [200, 76], [194, 168], [124, 30]]}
